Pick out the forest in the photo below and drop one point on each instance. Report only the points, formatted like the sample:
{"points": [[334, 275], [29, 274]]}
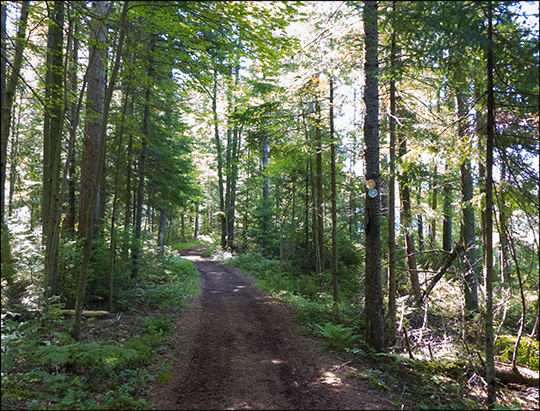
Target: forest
{"points": [[374, 165]]}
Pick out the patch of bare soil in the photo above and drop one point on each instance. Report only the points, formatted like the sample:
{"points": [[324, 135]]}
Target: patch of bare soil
{"points": [[237, 348]]}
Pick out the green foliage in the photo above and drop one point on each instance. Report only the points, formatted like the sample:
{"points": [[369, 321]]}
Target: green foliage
{"points": [[165, 284], [528, 350], [42, 390], [338, 337], [91, 354], [372, 376], [339, 323]]}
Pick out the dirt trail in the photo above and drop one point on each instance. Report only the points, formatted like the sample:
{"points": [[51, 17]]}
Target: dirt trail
{"points": [[240, 349]]}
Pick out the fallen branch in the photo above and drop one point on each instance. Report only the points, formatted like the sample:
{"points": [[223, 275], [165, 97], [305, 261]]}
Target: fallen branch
{"points": [[86, 313], [440, 272]]}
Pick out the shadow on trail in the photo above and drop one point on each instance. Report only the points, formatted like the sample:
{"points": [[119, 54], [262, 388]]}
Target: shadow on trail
{"points": [[240, 349]]}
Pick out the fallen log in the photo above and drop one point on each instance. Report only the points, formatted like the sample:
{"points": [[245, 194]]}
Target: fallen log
{"points": [[86, 313], [507, 375]]}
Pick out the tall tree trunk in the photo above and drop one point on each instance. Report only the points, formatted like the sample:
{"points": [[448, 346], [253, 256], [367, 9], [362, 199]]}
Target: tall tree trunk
{"points": [[13, 159], [119, 159], [73, 122], [8, 93], [319, 176], [233, 148], [196, 228], [420, 222], [94, 113], [407, 225], [307, 247], [3, 62], [433, 221], [76, 329], [142, 163], [219, 154], [468, 223], [488, 260], [447, 213], [8, 96], [266, 191], [374, 312], [51, 170], [129, 166], [335, 273], [162, 230], [392, 202], [232, 183], [505, 263]]}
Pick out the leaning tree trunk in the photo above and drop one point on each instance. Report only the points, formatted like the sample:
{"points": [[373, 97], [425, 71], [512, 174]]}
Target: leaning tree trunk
{"points": [[374, 315]]}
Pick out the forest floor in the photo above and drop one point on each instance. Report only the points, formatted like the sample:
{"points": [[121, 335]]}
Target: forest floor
{"points": [[233, 347], [240, 349]]}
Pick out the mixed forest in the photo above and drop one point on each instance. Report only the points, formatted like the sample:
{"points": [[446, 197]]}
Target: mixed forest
{"points": [[373, 164]]}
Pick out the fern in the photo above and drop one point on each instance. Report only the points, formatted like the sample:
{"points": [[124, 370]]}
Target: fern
{"points": [[338, 337], [88, 354]]}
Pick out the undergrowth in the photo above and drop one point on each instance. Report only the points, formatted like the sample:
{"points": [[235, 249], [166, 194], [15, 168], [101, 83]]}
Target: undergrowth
{"points": [[428, 381], [44, 368]]}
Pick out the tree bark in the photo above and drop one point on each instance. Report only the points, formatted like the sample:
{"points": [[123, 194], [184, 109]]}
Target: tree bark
{"points": [[8, 97], [488, 260], [119, 159], [374, 311], [505, 263], [410, 248], [3, 63], [319, 177], [391, 202], [161, 231], [76, 329], [94, 113], [142, 163], [335, 273], [447, 213], [73, 115], [51, 171], [129, 155], [219, 155], [433, 221], [265, 191], [233, 148], [468, 223]]}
